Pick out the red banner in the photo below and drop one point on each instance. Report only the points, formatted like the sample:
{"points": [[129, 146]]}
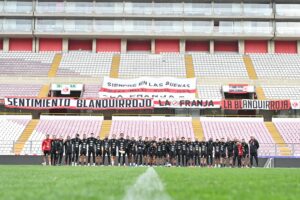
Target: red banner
{"points": [[252, 104]]}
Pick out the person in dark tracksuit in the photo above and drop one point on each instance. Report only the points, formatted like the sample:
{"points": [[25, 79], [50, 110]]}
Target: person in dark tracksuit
{"points": [[254, 146], [190, 153], [91, 149], [76, 142], [98, 145], [140, 151], [83, 150], [178, 152], [197, 153], [106, 150], [54, 152], [122, 149], [184, 151], [210, 149], [235, 152], [68, 151], [60, 150]]}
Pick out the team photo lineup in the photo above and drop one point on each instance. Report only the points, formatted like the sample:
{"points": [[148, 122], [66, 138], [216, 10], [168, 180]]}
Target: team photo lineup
{"points": [[149, 99], [146, 151]]}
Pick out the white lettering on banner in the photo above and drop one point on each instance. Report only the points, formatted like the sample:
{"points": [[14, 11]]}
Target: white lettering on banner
{"points": [[147, 87], [69, 103], [192, 103]]}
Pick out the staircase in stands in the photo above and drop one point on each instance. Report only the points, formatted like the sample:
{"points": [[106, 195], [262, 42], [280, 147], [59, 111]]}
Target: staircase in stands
{"points": [[249, 67], [105, 128], [115, 65], [197, 128], [19, 145], [283, 147], [55, 65]]}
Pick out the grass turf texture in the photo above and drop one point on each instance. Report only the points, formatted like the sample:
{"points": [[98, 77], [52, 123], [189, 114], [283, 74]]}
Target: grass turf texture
{"points": [[37, 182]]}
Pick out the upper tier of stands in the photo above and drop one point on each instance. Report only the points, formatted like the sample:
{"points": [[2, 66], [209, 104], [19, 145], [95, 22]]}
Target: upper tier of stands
{"points": [[168, 127], [85, 64], [219, 65], [11, 127], [137, 64], [25, 63], [282, 92], [61, 126], [240, 128], [285, 66], [19, 90]]}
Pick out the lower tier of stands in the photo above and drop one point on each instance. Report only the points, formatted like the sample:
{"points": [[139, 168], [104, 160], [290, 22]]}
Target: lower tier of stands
{"points": [[12, 127]]}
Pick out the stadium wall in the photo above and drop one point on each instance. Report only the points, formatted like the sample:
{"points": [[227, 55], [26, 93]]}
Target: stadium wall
{"points": [[197, 46], [50, 44], [285, 46], [256, 46], [166, 46], [108, 45], [20, 44]]}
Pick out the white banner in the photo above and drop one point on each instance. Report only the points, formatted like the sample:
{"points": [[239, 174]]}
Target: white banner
{"points": [[238, 88], [148, 87], [295, 104], [72, 87], [191, 103]]}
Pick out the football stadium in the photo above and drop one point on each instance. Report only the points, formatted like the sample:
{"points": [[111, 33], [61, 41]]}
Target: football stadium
{"points": [[149, 99]]}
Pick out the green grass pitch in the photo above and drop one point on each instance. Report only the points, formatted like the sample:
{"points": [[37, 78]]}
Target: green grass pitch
{"points": [[109, 183]]}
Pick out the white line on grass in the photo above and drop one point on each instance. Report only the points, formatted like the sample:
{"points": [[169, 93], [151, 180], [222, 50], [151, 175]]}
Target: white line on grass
{"points": [[148, 186]]}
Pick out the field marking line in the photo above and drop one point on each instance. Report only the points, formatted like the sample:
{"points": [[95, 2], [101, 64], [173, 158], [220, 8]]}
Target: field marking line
{"points": [[148, 186]]}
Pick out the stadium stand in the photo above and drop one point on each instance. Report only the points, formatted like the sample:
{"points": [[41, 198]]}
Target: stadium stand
{"points": [[273, 66], [219, 65], [91, 91], [85, 64], [282, 92], [171, 127], [217, 127], [209, 91], [289, 130], [11, 127], [139, 64], [19, 90], [61, 126], [25, 63]]}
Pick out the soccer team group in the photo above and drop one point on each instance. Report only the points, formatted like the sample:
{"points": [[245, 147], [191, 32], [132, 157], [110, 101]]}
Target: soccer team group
{"points": [[93, 151]]}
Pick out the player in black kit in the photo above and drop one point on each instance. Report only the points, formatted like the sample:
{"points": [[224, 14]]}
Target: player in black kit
{"points": [[83, 150], [159, 152], [184, 151], [203, 153], [229, 147], [178, 152], [60, 150], [210, 148], [172, 152], [132, 152], [106, 150], [121, 146], [54, 150], [217, 150], [113, 149], [68, 151], [146, 151], [223, 152], [76, 142], [92, 149], [152, 152], [190, 152], [140, 150], [197, 153], [98, 151]]}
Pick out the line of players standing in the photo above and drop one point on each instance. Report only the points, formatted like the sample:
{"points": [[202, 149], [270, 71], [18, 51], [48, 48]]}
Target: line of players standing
{"points": [[93, 151]]}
